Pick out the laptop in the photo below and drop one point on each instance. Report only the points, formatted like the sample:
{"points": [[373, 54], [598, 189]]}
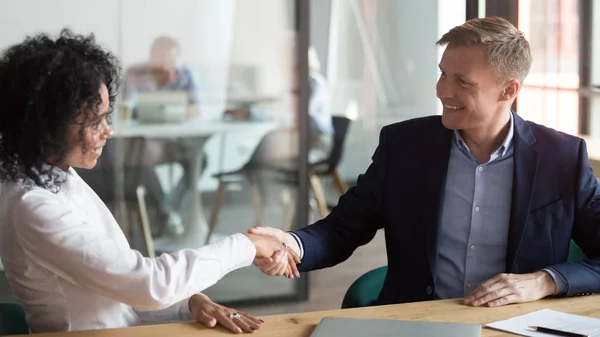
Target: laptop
{"points": [[162, 107], [359, 327]]}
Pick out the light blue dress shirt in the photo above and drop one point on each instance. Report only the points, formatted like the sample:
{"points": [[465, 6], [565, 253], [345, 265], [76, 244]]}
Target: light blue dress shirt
{"points": [[473, 233]]}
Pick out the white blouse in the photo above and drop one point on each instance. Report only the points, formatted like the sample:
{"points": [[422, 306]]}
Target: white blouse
{"points": [[69, 264]]}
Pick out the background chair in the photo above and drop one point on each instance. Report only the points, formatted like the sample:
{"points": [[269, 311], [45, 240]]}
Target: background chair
{"points": [[253, 172], [327, 167], [12, 320], [364, 291], [575, 253]]}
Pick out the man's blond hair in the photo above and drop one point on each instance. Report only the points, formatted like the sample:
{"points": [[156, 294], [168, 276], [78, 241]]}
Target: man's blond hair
{"points": [[507, 50]]}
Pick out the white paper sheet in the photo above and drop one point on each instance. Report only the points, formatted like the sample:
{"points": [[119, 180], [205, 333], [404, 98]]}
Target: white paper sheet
{"points": [[549, 319]]}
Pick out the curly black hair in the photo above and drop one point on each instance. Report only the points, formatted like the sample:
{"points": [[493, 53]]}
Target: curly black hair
{"points": [[45, 85]]}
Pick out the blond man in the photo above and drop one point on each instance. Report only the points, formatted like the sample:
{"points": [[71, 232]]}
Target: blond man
{"points": [[477, 203]]}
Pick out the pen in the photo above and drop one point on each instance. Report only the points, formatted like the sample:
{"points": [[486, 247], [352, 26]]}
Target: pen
{"points": [[557, 332]]}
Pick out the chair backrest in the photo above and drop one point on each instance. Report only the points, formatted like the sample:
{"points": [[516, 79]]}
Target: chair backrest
{"points": [[12, 320], [272, 142], [576, 254], [364, 291], [268, 143], [340, 127]]}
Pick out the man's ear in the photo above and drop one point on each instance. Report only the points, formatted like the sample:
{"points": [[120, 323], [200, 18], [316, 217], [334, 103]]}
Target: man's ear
{"points": [[511, 89]]}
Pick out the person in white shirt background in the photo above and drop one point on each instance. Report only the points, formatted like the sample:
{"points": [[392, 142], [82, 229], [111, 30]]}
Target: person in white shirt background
{"points": [[66, 259]]}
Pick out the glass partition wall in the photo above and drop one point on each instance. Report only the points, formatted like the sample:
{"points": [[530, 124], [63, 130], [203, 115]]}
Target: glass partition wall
{"points": [[209, 135]]}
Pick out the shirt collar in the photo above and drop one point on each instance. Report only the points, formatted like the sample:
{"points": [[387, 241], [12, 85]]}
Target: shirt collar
{"points": [[48, 177], [502, 150]]}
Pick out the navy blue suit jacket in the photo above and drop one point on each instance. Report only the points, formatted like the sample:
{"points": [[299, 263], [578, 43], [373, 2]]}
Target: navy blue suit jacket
{"points": [[555, 197]]}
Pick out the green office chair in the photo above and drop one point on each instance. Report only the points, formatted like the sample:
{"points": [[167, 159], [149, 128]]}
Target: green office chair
{"points": [[365, 290], [12, 320], [575, 253]]}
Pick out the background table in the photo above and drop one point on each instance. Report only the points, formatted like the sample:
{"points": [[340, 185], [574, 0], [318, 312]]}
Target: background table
{"points": [[302, 324], [192, 136]]}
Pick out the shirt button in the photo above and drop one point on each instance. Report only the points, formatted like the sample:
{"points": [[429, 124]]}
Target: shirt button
{"points": [[428, 290], [480, 168], [468, 285], [476, 208], [472, 247]]}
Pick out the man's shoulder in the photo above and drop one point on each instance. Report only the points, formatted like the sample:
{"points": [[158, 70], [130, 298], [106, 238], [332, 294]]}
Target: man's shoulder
{"points": [[427, 125], [551, 138]]}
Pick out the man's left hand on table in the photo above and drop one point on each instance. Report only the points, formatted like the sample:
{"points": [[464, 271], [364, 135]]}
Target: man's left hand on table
{"points": [[506, 289]]}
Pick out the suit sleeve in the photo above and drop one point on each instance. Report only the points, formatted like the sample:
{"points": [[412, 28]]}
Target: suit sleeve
{"points": [[584, 277], [352, 223]]}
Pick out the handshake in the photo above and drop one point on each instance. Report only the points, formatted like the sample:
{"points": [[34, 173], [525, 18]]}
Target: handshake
{"points": [[277, 252]]}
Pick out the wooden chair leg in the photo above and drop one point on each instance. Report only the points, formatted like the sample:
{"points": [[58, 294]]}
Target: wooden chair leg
{"points": [[340, 184], [256, 202], [289, 213], [214, 209], [317, 189], [171, 177], [140, 192], [123, 217], [312, 208]]}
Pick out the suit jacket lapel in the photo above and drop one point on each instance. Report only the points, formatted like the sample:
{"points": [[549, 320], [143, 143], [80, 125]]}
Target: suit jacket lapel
{"points": [[434, 178], [525, 167]]}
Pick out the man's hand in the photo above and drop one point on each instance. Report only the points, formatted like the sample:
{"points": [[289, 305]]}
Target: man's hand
{"points": [[512, 288], [210, 313], [279, 263], [275, 253]]}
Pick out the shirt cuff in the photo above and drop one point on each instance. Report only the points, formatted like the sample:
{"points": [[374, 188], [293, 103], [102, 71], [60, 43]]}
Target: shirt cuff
{"points": [[299, 244], [234, 252], [559, 280], [184, 312], [178, 312]]}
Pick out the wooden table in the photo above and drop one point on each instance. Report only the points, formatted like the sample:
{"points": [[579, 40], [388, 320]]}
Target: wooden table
{"points": [[302, 324]]}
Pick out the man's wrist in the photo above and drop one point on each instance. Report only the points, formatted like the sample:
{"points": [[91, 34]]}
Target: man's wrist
{"points": [[547, 282], [292, 243]]}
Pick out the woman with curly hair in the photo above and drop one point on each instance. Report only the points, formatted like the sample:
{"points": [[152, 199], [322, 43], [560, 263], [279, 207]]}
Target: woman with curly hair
{"points": [[65, 257]]}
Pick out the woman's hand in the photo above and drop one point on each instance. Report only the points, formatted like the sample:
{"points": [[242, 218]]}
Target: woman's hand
{"points": [[265, 246], [272, 252], [279, 264], [205, 311]]}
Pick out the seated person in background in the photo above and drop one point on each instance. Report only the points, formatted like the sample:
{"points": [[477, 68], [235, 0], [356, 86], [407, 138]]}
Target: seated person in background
{"points": [[162, 73], [319, 111], [65, 257], [477, 203], [282, 148]]}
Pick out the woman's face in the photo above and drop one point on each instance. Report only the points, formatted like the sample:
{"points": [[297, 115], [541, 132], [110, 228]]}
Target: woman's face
{"points": [[83, 152]]}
